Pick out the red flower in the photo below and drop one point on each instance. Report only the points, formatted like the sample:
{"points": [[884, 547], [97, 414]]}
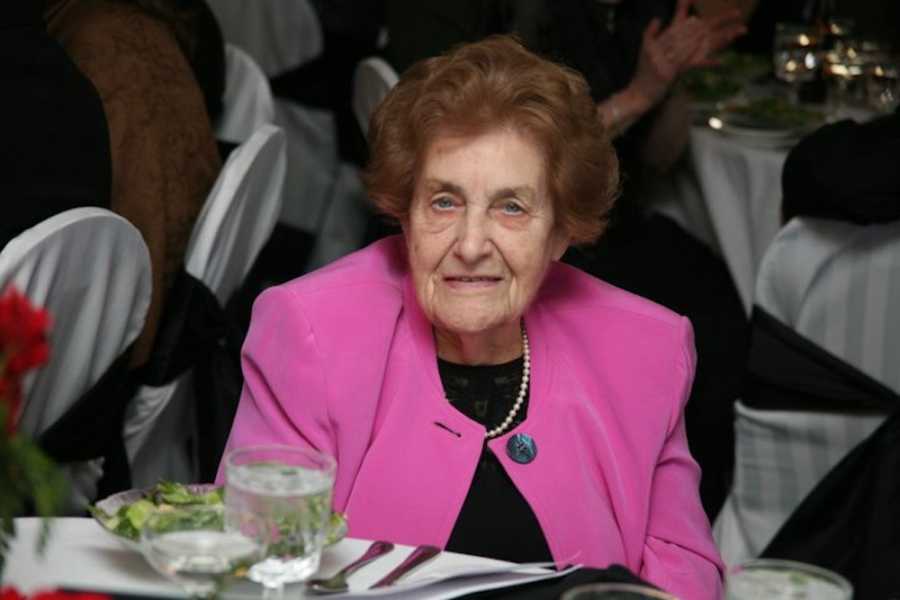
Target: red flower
{"points": [[11, 593], [23, 333], [23, 346], [57, 595]]}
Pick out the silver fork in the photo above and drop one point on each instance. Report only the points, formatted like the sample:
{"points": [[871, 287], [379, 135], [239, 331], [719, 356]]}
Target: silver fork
{"points": [[337, 583], [420, 555]]}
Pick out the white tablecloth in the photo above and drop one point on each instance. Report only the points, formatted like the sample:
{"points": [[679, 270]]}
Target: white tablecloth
{"points": [[727, 194], [81, 555]]}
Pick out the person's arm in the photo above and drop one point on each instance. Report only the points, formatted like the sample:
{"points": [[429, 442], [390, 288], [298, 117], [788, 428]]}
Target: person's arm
{"points": [[163, 153], [687, 42], [285, 396], [667, 137], [679, 553]]}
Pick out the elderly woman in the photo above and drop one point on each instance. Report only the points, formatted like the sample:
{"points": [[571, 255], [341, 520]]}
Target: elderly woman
{"points": [[476, 394]]}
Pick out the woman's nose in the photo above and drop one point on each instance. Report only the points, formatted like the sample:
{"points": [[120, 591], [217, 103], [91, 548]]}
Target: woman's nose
{"points": [[473, 242]]}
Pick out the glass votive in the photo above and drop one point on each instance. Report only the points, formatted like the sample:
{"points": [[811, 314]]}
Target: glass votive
{"points": [[774, 579]]}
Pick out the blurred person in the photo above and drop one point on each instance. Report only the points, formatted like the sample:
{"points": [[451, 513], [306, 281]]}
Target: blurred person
{"points": [[55, 155], [477, 394], [163, 152]]}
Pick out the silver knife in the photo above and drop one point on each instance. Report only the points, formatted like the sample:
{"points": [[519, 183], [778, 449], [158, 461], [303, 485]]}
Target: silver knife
{"points": [[420, 555]]}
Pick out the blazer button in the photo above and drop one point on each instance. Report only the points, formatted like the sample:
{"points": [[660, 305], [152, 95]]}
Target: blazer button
{"points": [[521, 448]]}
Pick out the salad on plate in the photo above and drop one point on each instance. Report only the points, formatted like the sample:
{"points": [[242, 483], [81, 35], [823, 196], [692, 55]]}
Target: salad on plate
{"points": [[125, 513]]}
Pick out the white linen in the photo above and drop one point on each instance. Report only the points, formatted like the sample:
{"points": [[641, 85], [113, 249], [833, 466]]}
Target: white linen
{"points": [[236, 221], [82, 555], [372, 80], [313, 163], [278, 34], [247, 101], [323, 196], [90, 269], [728, 195], [837, 284]]}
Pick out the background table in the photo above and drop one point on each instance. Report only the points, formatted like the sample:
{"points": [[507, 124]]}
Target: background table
{"points": [[727, 194], [80, 554]]}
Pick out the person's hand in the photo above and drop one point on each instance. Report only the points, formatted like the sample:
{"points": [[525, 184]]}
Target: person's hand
{"points": [[686, 43], [717, 33]]}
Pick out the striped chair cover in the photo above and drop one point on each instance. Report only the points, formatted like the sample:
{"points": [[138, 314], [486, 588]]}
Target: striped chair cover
{"points": [[247, 102], [838, 285]]}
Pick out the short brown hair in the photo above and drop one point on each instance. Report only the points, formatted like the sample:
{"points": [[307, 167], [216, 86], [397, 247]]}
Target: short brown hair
{"points": [[483, 86]]}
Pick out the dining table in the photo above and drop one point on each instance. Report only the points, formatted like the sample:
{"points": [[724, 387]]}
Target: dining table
{"points": [[81, 555], [726, 189], [726, 192]]}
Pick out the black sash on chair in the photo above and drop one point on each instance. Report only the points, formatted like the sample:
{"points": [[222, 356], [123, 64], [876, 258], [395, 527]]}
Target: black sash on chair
{"points": [[786, 371], [92, 427], [850, 522], [195, 333]]}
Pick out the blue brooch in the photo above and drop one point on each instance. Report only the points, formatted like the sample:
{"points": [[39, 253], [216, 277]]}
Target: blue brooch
{"points": [[521, 448]]}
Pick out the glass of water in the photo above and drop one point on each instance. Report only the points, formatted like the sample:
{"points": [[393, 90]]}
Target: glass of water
{"points": [[615, 591], [281, 497], [797, 55], [883, 83], [190, 546], [772, 579]]}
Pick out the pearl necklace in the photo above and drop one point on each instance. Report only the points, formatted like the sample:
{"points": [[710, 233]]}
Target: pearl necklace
{"points": [[523, 389]]}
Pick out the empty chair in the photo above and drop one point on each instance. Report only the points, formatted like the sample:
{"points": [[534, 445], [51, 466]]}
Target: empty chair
{"points": [[90, 269], [247, 102], [836, 285], [232, 228], [373, 79], [278, 34]]}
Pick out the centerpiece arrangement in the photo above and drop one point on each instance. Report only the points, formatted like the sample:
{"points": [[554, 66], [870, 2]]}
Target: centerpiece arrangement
{"points": [[30, 483]]}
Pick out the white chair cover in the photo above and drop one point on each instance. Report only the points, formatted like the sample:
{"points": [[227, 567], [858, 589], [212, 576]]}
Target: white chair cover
{"points": [[248, 102], [373, 79], [838, 285], [324, 196], [232, 228], [313, 163], [90, 269], [278, 34]]}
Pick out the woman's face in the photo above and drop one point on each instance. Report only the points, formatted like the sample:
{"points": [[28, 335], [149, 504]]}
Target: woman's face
{"points": [[481, 231]]}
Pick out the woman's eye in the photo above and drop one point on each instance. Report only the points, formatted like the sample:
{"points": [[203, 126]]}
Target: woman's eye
{"points": [[512, 208], [442, 203]]}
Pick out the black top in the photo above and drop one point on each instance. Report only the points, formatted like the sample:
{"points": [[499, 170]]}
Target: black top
{"points": [[845, 171], [55, 153], [495, 520]]}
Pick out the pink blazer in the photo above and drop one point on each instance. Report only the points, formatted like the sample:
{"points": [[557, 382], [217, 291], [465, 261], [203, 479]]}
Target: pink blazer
{"points": [[343, 360]]}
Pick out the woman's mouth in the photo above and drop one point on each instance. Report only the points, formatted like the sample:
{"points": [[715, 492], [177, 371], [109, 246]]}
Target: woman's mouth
{"points": [[471, 282]]}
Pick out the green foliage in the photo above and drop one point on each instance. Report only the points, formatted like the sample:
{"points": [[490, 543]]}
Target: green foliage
{"points": [[169, 492], [29, 483]]}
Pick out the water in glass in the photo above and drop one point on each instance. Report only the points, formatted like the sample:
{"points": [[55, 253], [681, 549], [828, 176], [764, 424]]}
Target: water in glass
{"points": [[190, 546], [283, 501], [199, 560], [770, 579]]}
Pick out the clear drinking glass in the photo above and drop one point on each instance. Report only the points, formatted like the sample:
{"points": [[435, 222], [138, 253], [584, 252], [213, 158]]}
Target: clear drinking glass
{"points": [[883, 83], [280, 496], [797, 55], [772, 579], [615, 591], [190, 546]]}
